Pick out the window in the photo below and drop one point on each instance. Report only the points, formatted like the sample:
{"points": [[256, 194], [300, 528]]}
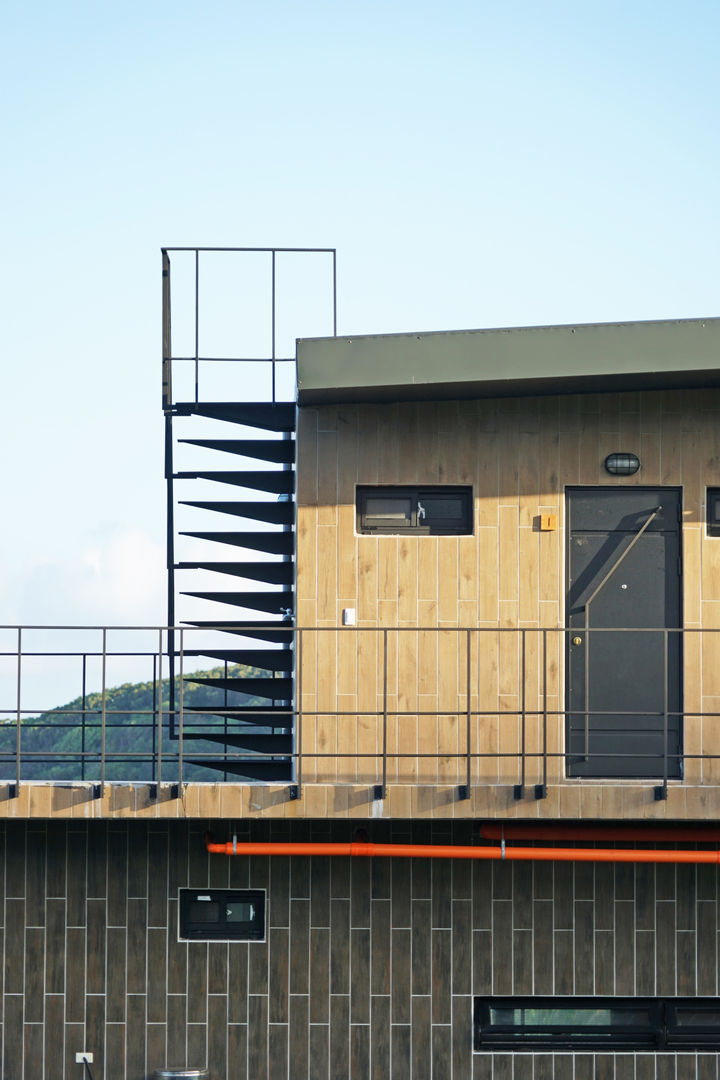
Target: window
{"points": [[222, 914], [432, 511], [507, 1023], [713, 512]]}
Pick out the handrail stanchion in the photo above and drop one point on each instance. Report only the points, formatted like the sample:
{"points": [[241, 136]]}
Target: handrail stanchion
{"points": [[84, 716], [160, 710], [181, 715], [197, 326], [99, 788], [661, 790], [380, 790], [15, 788], [464, 791], [296, 788], [541, 788], [519, 789]]}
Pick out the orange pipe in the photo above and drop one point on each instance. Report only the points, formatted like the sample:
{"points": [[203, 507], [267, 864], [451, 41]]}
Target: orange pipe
{"points": [[457, 851], [699, 834]]}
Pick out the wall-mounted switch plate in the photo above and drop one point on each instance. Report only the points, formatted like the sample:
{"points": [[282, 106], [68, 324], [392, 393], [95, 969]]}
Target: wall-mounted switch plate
{"points": [[348, 616], [548, 522]]}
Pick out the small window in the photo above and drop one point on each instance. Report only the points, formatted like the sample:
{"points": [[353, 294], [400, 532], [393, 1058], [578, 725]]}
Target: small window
{"points": [[567, 1023], [222, 915], [431, 511], [713, 512]]}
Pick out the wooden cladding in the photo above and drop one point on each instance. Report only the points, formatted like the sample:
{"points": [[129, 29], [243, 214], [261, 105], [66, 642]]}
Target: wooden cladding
{"points": [[518, 456]]}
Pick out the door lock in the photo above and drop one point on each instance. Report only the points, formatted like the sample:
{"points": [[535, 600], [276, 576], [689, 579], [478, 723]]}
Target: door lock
{"points": [[577, 641]]}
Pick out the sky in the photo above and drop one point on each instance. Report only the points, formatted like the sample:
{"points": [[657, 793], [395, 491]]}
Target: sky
{"points": [[475, 164]]}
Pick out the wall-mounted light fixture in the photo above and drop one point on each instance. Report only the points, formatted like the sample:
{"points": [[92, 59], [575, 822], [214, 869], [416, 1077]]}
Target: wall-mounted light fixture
{"points": [[622, 464]]}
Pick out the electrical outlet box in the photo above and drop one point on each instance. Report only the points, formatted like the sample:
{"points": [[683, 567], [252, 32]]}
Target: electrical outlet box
{"points": [[83, 1056], [548, 522]]}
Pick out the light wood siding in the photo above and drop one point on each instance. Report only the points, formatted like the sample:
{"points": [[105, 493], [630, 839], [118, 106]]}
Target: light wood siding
{"points": [[519, 455]]}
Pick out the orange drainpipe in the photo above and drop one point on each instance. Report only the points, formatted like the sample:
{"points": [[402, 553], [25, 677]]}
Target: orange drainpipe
{"points": [[457, 851]]}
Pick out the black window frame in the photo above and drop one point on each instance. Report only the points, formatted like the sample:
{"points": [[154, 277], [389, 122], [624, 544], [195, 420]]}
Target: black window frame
{"points": [[223, 929], [712, 527], [663, 1031], [419, 524]]}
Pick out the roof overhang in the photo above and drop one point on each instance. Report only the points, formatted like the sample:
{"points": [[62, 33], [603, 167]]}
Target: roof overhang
{"points": [[519, 361]]}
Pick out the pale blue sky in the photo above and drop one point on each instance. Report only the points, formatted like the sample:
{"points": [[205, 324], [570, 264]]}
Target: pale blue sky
{"points": [[475, 164]]}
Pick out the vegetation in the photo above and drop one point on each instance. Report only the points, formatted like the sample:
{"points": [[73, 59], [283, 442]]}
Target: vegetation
{"points": [[54, 743]]}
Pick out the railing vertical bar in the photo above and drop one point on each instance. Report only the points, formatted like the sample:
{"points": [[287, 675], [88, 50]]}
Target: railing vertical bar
{"points": [[160, 709], [197, 326], [181, 708], [468, 709], [519, 789], [272, 319], [104, 710], [19, 711], [381, 790], [661, 792], [299, 744], [545, 711], [334, 262], [84, 716]]}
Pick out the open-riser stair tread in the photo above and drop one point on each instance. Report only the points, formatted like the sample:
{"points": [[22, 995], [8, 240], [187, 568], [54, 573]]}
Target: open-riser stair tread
{"points": [[279, 772], [280, 632], [275, 513], [272, 573], [274, 543], [276, 482], [275, 603], [279, 451], [272, 416], [275, 689], [261, 659]]}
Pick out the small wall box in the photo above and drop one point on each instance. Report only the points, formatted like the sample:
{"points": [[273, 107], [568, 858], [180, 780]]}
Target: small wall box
{"points": [[713, 511], [548, 522]]}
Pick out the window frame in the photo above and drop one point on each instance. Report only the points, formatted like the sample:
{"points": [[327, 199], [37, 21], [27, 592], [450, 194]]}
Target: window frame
{"points": [[463, 526], [662, 1032], [189, 930]]}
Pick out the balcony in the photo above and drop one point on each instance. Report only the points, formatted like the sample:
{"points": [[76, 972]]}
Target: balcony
{"points": [[465, 713]]}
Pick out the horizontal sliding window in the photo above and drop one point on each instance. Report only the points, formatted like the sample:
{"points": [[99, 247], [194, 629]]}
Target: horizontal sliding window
{"points": [[434, 510], [505, 1023]]}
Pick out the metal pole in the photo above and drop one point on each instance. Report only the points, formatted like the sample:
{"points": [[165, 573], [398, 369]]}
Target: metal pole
{"points": [[104, 710], [170, 564], [180, 712], [519, 789], [334, 270], [197, 326], [465, 790], [166, 335], [84, 716], [541, 789], [19, 712], [160, 711], [661, 792], [296, 791], [381, 789], [273, 325]]}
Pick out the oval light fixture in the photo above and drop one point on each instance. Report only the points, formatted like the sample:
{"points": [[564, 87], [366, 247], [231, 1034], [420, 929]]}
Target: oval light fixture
{"points": [[622, 464]]}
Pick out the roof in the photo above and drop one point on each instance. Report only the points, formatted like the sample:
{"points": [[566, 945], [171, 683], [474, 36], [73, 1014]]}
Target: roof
{"points": [[515, 361]]}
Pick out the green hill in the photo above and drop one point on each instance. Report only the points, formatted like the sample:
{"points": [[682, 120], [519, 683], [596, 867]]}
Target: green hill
{"points": [[53, 742]]}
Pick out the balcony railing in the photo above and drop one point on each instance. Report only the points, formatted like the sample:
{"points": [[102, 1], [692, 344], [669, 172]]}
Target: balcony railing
{"points": [[463, 706]]}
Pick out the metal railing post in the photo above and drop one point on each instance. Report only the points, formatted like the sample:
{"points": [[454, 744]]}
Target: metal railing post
{"points": [[464, 791], [84, 716], [541, 788], [296, 788], [272, 321], [160, 710], [99, 788], [380, 790], [15, 789], [661, 791], [519, 789], [197, 326], [181, 715]]}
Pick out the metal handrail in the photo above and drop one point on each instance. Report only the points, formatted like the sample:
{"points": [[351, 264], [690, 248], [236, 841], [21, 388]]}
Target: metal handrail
{"points": [[166, 759]]}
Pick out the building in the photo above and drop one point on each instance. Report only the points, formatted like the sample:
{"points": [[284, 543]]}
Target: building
{"points": [[490, 618]]}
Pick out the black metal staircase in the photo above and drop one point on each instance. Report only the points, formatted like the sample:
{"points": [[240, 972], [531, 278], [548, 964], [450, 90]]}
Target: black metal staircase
{"points": [[241, 723]]}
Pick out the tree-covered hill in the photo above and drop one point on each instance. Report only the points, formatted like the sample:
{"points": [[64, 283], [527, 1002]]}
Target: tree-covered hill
{"points": [[52, 744]]}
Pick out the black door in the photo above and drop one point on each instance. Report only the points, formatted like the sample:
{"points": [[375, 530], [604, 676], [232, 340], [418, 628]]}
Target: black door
{"points": [[623, 660]]}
